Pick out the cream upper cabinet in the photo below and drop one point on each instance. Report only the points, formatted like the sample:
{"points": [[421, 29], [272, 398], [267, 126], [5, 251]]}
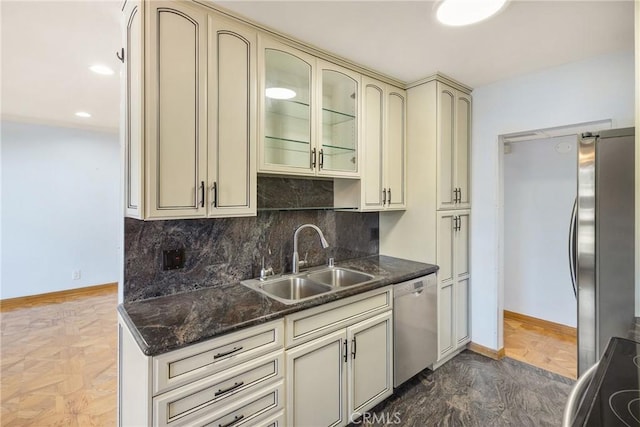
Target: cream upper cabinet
{"points": [[383, 181], [453, 280], [395, 149], [131, 121], [308, 112], [176, 113], [286, 104], [190, 147], [338, 131], [453, 136], [232, 119]]}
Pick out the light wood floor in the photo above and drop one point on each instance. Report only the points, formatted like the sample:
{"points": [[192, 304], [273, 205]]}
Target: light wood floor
{"points": [[58, 361], [545, 348]]}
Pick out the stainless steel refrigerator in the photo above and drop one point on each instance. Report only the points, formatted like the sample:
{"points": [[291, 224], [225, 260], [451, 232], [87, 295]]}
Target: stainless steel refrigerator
{"points": [[602, 241]]}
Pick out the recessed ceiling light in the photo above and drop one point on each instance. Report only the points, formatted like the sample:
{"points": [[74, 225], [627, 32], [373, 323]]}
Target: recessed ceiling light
{"points": [[83, 114], [279, 93], [101, 69], [465, 12]]}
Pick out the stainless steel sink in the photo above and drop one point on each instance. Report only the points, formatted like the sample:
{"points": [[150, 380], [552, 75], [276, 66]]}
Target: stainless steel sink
{"points": [[294, 288], [298, 287], [339, 277]]}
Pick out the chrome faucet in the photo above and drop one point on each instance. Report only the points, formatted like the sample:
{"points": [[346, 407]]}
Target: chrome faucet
{"points": [[295, 265]]}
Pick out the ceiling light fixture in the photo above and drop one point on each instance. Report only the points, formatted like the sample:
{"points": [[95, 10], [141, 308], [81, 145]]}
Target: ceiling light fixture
{"points": [[101, 69], [465, 12], [279, 93], [83, 114]]}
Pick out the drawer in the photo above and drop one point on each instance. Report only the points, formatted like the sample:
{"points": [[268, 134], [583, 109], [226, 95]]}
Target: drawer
{"points": [[249, 410], [277, 420], [315, 322], [197, 361], [190, 401]]}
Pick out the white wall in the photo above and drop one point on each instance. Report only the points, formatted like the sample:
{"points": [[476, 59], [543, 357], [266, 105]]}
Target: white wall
{"points": [[539, 192], [60, 208], [590, 90]]}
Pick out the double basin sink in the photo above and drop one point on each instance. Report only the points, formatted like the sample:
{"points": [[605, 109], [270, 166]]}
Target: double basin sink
{"points": [[294, 288]]}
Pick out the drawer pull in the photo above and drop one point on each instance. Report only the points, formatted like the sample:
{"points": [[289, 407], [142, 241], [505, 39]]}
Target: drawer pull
{"points": [[233, 350], [233, 387], [235, 420]]}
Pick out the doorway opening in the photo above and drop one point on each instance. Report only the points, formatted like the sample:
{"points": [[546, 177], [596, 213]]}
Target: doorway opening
{"points": [[538, 182]]}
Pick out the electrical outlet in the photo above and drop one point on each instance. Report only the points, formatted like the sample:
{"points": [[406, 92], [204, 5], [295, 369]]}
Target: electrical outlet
{"points": [[76, 274], [173, 259]]}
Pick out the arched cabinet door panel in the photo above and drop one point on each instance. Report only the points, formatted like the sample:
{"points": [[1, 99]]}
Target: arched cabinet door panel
{"points": [[176, 118], [232, 119]]}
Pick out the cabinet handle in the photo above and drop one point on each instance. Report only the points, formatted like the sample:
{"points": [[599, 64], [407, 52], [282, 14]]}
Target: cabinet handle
{"points": [[455, 223], [214, 190], [120, 55], [384, 196], [345, 350], [235, 420], [202, 194], [227, 390], [321, 158], [353, 347], [226, 353], [313, 158], [459, 195], [389, 193]]}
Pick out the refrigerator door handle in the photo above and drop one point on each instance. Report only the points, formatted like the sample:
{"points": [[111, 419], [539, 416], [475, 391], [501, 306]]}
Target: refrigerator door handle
{"points": [[572, 247]]}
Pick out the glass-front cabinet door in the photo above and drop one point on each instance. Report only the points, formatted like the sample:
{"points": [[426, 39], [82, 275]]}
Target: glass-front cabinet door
{"points": [[309, 111], [287, 144], [338, 140]]}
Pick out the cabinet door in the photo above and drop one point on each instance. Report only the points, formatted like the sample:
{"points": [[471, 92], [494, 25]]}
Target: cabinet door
{"points": [[286, 99], [446, 106], [316, 382], [176, 113], [445, 251], [373, 95], [462, 312], [446, 318], [132, 112], [338, 90], [232, 119], [462, 244], [462, 148], [395, 149], [371, 363]]}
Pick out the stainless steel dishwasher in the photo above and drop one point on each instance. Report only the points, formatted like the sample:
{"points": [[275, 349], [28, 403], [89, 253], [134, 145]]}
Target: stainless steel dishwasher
{"points": [[415, 327]]}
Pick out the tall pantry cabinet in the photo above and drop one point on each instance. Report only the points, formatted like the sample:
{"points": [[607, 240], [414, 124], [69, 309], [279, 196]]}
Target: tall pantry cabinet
{"points": [[436, 226]]}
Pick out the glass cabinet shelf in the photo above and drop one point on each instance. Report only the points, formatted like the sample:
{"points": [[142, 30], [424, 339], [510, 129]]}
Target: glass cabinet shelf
{"points": [[287, 144], [332, 117], [300, 110]]}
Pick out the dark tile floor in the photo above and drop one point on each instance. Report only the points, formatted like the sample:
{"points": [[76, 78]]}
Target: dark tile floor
{"points": [[473, 390]]}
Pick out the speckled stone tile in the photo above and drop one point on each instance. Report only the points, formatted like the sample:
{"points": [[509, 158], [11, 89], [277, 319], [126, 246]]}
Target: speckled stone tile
{"points": [[473, 390]]}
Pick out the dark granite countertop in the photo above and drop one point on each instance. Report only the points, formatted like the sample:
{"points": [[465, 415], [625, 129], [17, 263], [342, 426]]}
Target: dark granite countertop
{"points": [[171, 322]]}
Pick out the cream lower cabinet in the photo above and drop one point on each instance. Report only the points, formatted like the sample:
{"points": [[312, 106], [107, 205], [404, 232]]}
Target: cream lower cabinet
{"points": [[236, 379], [189, 112], [453, 281], [333, 379]]}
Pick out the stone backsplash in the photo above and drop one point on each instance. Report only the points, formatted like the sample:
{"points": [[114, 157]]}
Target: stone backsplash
{"points": [[220, 252]]}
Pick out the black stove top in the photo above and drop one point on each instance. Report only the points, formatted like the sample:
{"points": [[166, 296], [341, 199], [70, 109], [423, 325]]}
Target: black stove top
{"points": [[613, 396]]}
